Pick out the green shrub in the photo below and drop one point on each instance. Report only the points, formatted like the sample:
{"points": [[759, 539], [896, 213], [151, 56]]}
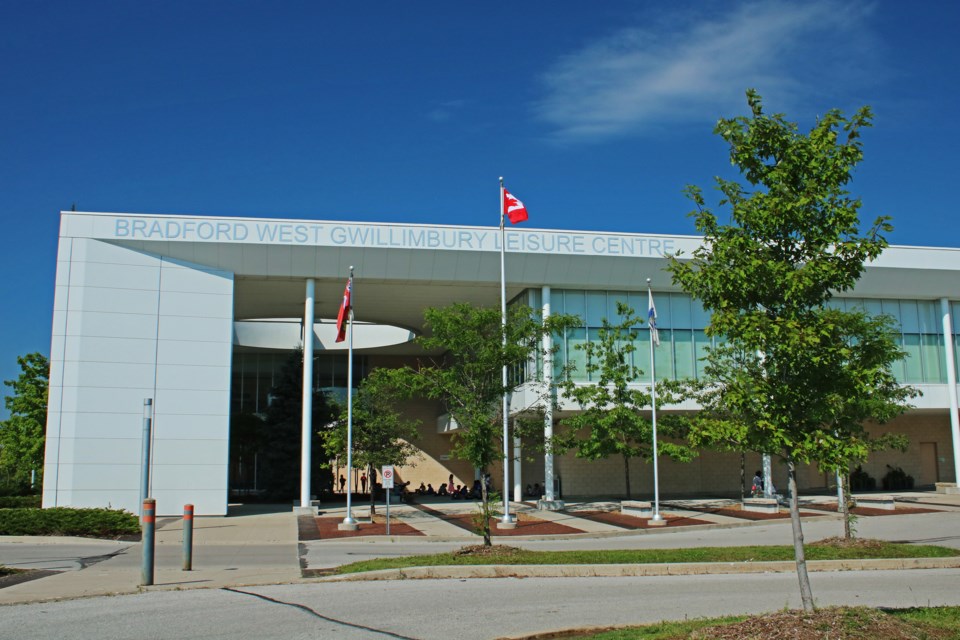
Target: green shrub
{"points": [[20, 502], [896, 479], [64, 521]]}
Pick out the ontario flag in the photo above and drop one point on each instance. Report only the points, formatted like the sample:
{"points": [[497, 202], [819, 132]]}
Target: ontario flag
{"points": [[344, 315], [652, 319], [513, 208]]}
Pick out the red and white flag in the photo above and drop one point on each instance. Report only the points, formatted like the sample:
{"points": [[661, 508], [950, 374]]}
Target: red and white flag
{"points": [[513, 208], [344, 314]]}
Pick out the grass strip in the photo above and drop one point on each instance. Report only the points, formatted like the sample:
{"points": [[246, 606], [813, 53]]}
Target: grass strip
{"points": [[502, 555], [842, 623]]}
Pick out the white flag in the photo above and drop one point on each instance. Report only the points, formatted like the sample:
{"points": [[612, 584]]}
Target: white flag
{"points": [[652, 320]]}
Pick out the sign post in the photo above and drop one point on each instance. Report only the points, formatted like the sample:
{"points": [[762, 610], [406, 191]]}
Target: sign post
{"points": [[386, 475]]}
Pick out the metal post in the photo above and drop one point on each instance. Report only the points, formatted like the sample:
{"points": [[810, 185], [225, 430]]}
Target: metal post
{"points": [[148, 533], [507, 519], [517, 469], [657, 518], [349, 523], [388, 491], [145, 450], [306, 420], [768, 488], [188, 537]]}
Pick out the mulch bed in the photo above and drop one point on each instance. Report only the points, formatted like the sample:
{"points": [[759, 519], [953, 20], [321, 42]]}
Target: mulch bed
{"points": [[733, 512], [632, 522], [870, 511], [24, 576], [325, 528], [526, 526]]}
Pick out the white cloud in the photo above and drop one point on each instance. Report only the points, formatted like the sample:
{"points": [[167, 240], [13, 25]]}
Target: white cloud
{"points": [[695, 67]]}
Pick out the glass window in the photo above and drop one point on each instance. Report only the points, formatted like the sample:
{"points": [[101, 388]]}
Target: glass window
{"points": [[596, 308], [681, 315], [929, 313], [574, 304], [577, 358], [613, 297], [875, 308], [934, 361], [684, 352], [701, 344], [664, 357], [913, 364], [641, 355], [909, 319], [701, 318]]}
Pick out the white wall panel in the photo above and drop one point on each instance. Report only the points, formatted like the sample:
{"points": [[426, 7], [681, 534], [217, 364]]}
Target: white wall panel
{"points": [[104, 425], [192, 427], [101, 477], [112, 325], [188, 452], [196, 329], [205, 502], [199, 305], [112, 299], [101, 451], [179, 477], [177, 402], [88, 250], [184, 280], [104, 349], [114, 276], [199, 377], [189, 352], [79, 373], [127, 499], [104, 399]]}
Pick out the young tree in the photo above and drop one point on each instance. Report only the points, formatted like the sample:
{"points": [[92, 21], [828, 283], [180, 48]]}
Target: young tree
{"points": [[381, 436], [22, 434], [613, 417], [793, 241], [466, 374]]}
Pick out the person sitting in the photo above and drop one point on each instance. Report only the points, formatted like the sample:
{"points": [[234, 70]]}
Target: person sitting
{"points": [[464, 493], [443, 490], [430, 490], [455, 494], [537, 491], [422, 489], [528, 491], [476, 492]]}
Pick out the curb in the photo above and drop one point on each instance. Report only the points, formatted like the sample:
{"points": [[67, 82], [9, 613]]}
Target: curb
{"points": [[636, 570]]}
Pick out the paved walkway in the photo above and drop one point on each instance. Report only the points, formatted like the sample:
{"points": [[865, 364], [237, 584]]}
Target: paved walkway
{"points": [[260, 545]]}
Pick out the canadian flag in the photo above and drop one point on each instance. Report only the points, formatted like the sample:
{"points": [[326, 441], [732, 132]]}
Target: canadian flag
{"points": [[513, 208], [344, 313]]}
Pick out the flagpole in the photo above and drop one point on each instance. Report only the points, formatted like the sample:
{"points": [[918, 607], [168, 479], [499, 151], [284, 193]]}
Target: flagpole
{"points": [[349, 521], [653, 406], [507, 519]]}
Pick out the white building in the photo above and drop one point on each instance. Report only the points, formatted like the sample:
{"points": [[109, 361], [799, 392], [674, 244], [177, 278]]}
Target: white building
{"points": [[197, 314]]}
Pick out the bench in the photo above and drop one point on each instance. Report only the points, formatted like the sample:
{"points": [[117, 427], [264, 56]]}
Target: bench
{"points": [[761, 505], [886, 503], [636, 508]]}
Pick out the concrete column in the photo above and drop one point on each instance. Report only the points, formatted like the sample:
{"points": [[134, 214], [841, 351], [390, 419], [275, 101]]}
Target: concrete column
{"points": [[951, 385], [307, 415], [549, 499]]}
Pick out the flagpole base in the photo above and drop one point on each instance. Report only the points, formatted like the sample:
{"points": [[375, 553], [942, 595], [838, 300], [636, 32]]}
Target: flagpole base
{"points": [[507, 522], [657, 521], [348, 524]]}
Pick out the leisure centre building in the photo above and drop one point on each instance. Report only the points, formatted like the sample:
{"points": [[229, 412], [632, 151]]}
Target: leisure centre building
{"points": [[199, 314]]}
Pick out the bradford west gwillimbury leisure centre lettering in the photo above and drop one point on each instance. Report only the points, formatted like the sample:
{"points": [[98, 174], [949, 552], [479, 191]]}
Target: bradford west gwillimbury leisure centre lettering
{"points": [[387, 236]]}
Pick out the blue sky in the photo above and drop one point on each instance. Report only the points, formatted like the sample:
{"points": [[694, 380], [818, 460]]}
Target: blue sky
{"points": [[597, 114]]}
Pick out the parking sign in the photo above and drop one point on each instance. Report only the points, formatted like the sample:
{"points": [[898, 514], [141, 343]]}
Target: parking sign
{"points": [[386, 474]]}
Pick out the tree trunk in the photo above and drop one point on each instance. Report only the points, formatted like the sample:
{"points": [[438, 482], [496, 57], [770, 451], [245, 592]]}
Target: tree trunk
{"points": [[373, 493], [806, 593], [485, 513], [845, 505], [626, 474], [743, 475]]}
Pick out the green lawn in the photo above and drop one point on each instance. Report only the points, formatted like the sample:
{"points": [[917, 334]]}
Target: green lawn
{"points": [[508, 555]]}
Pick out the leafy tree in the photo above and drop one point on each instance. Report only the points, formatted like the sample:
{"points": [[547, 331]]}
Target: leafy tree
{"points": [[466, 375], [793, 241], [381, 436], [613, 412], [283, 426], [22, 434]]}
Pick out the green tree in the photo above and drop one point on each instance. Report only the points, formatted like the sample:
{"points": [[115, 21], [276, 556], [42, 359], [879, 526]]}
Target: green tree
{"points": [[793, 241], [466, 374], [22, 434], [614, 413], [381, 435], [283, 425]]}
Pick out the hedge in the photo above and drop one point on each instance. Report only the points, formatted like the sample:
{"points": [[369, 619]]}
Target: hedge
{"points": [[20, 502], [64, 521]]}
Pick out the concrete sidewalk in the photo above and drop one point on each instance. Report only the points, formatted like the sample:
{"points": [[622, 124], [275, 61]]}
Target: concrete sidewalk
{"points": [[258, 545]]}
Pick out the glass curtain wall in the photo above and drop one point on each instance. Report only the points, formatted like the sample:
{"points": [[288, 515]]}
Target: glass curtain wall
{"points": [[683, 341]]}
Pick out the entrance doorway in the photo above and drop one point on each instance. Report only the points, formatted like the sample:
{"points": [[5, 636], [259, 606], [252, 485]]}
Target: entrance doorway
{"points": [[929, 464]]}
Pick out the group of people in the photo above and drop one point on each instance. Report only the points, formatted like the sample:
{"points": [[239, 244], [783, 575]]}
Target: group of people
{"points": [[456, 491]]}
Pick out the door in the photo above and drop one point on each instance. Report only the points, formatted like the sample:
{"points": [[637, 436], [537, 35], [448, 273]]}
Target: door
{"points": [[929, 465]]}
